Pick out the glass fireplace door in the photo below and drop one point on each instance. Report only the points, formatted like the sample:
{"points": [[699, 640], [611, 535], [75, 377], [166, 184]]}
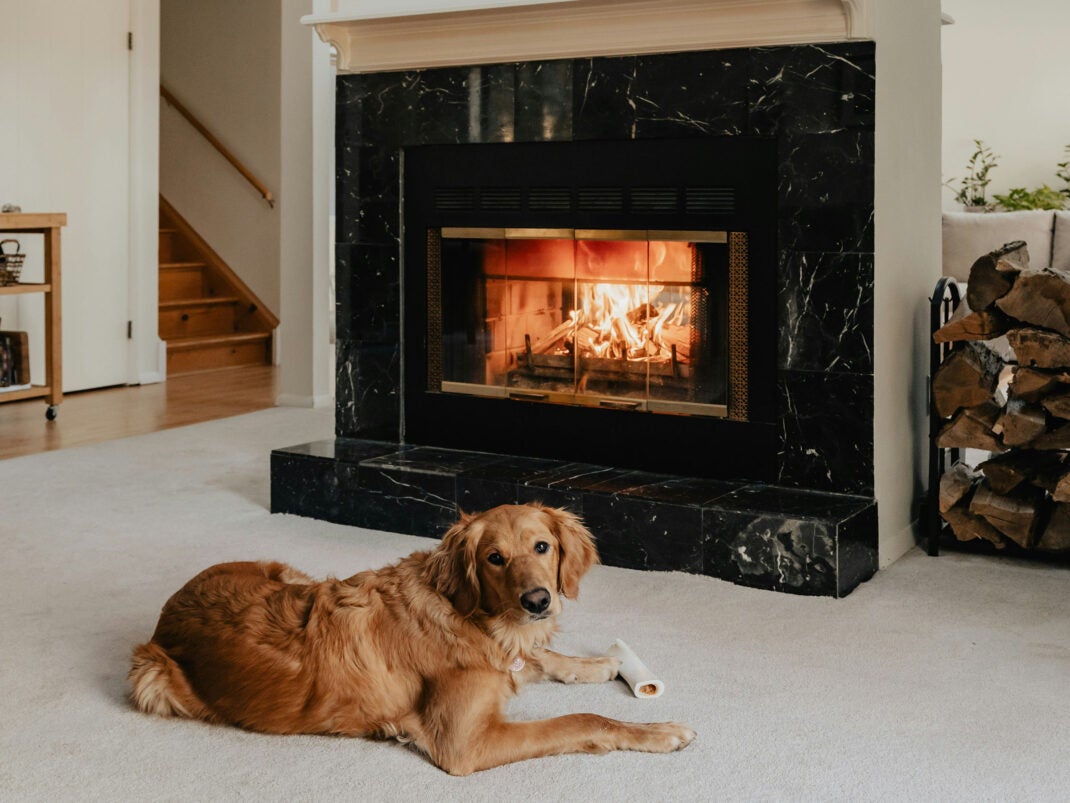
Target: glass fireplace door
{"points": [[630, 319]]}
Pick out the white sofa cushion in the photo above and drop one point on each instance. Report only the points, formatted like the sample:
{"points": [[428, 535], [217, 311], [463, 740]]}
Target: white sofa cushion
{"points": [[1060, 244], [969, 235]]}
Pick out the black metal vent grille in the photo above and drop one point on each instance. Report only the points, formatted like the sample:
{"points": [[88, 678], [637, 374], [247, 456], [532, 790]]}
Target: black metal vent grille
{"points": [[455, 199], [637, 200], [550, 199], [600, 199], [655, 200], [504, 199], [709, 200]]}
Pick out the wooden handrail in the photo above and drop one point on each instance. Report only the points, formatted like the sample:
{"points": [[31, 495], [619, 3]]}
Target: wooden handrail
{"points": [[219, 146]]}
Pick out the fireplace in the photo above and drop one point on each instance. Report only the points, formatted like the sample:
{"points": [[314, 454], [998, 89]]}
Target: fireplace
{"points": [[600, 288], [726, 195]]}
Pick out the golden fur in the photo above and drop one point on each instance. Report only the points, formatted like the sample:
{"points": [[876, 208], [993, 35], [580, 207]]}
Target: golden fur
{"points": [[421, 651]]}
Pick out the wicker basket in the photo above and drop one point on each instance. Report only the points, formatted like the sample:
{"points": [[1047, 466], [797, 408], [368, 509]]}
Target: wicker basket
{"points": [[10, 263]]}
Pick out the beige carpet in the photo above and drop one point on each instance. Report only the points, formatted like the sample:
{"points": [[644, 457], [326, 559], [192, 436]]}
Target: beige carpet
{"points": [[940, 679]]}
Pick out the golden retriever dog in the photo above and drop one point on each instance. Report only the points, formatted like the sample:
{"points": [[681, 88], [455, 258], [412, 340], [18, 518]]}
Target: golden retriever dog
{"points": [[426, 651]]}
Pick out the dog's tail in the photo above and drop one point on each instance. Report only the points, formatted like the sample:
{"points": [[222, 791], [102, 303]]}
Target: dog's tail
{"points": [[158, 685]]}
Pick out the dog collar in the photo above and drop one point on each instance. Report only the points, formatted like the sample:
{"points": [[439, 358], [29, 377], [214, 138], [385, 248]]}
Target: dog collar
{"points": [[517, 664]]}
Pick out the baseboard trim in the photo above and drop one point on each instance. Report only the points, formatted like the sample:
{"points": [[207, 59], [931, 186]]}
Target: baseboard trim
{"points": [[296, 400]]}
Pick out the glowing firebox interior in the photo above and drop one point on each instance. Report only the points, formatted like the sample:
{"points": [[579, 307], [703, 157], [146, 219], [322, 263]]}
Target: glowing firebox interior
{"points": [[630, 319]]}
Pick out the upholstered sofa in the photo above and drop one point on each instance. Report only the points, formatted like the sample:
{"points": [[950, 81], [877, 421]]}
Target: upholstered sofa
{"points": [[968, 235]]}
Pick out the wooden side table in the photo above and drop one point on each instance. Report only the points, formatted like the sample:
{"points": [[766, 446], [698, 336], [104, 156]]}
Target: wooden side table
{"points": [[48, 224]]}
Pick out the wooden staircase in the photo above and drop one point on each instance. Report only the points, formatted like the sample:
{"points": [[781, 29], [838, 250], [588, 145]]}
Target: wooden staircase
{"points": [[208, 316]]}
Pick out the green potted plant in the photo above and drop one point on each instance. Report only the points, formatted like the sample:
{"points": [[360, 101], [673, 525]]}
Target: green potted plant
{"points": [[972, 190]]}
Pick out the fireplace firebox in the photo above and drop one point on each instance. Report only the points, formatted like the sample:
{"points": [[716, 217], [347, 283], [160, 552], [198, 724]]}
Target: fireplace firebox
{"points": [[603, 301]]}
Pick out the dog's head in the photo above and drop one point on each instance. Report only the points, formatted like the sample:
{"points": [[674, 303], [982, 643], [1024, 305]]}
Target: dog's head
{"points": [[515, 561]]}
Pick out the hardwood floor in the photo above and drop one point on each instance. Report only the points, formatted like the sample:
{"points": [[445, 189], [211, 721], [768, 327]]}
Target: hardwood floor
{"points": [[93, 416]]}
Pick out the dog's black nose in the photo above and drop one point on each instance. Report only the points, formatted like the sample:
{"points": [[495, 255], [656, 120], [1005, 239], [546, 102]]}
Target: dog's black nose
{"points": [[535, 601]]}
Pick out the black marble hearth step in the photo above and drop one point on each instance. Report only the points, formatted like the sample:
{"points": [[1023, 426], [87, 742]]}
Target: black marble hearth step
{"points": [[764, 536]]}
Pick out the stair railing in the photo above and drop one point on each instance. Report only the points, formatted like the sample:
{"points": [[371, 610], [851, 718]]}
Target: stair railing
{"points": [[219, 146]]}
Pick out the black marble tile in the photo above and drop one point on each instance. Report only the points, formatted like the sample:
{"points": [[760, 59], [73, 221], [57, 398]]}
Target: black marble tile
{"points": [[857, 550], [496, 94], [367, 201], [476, 494], [443, 107], [792, 503], [683, 490], [825, 309], [644, 534], [826, 192], [433, 460], [368, 293], [812, 88], [770, 551], [406, 500], [826, 431], [543, 101], [698, 94], [603, 98], [367, 400], [381, 109]]}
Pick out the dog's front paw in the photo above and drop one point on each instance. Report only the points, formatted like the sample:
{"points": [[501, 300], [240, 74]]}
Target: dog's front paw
{"points": [[666, 737], [591, 670]]}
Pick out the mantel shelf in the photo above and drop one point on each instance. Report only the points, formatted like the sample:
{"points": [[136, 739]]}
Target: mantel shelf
{"points": [[374, 38]]}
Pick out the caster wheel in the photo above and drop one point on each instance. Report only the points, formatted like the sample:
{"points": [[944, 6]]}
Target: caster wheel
{"points": [[51, 412]]}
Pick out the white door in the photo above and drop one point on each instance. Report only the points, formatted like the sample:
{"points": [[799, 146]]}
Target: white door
{"points": [[65, 147]]}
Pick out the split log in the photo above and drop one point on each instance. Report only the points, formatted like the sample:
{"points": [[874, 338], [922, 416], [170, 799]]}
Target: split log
{"points": [[1040, 298], [1021, 423], [1056, 535], [968, 527], [993, 275], [966, 378], [956, 483], [1036, 348], [971, 428], [1013, 515], [1058, 404], [1058, 438], [983, 325], [1008, 471], [1031, 384]]}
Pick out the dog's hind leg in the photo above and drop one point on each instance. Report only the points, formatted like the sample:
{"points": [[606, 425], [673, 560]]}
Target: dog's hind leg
{"points": [[158, 685], [568, 669]]}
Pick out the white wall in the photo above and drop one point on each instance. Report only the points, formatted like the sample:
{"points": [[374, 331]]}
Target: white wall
{"points": [[222, 60], [1007, 82], [907, 257], [307, 358], [73, 139]]}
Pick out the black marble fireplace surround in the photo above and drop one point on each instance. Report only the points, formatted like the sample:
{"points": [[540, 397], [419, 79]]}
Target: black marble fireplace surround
{"points": [[805, 520]]}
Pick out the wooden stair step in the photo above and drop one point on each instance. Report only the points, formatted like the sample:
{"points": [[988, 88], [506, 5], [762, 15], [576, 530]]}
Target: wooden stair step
{"points": [[198, 317], [181, 265], [202, 353]]}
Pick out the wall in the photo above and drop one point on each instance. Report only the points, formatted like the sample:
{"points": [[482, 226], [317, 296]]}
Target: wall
{"points": [[77, 136], [1006, 82], [222, 60], [907, 257]]}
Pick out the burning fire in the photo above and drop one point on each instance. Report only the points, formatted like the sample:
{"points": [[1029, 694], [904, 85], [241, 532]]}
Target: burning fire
{"points": [[618, 321]]}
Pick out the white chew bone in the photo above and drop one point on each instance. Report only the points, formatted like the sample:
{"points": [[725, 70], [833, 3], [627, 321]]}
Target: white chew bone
{"points": [[634, 671]]}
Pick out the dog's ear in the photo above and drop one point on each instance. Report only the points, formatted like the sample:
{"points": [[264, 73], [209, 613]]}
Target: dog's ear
{"points": [[578, 552], [452, 566]]}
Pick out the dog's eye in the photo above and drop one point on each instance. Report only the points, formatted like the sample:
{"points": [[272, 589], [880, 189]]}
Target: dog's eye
{"points": [[496, 559], [541, 547]]}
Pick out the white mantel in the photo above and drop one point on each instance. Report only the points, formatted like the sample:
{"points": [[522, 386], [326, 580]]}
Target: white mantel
{"points": [[378, 35]]}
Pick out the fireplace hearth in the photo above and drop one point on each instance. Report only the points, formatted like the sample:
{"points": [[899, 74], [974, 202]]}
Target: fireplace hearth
{"points": [[746, 455]]}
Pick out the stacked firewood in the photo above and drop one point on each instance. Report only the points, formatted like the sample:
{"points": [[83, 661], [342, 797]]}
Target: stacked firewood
{"points": [[1005, 388]]}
